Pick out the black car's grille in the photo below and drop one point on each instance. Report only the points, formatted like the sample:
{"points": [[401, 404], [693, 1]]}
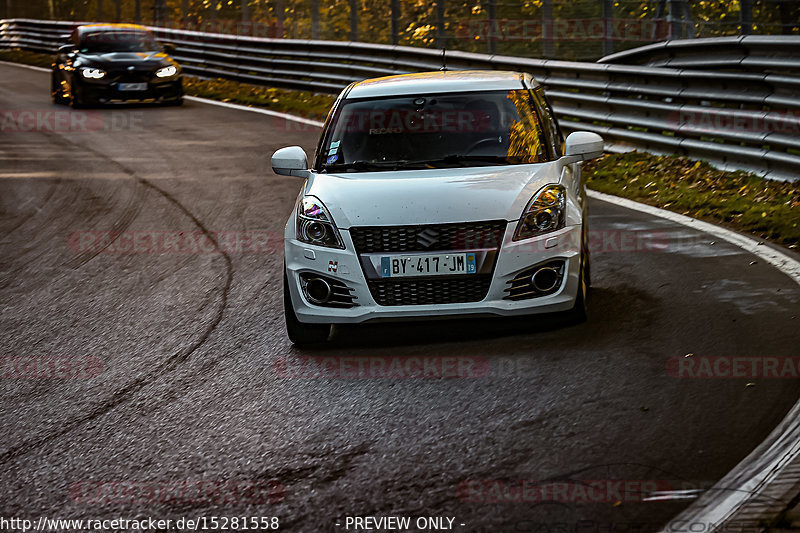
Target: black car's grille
{"points": [[132, 76], [428, 238], [430, 291]]}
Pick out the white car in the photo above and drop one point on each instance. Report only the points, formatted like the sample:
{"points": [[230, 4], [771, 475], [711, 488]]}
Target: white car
{"points": [[439, 194]]}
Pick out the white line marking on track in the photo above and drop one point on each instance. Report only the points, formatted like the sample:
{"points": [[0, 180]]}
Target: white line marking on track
{"points": [[269, 112], [780, 260], [39, 69]]}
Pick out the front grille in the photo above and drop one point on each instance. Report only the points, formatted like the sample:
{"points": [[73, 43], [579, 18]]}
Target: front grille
{"points": [[428, 238], [430, 291], [130, 76]]}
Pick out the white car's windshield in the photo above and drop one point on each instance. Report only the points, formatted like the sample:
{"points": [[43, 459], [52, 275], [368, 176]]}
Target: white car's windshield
{"points": [[434, 131]]}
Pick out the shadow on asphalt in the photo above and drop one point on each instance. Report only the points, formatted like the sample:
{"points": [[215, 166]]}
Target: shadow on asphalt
{"points": [[604, 304]]}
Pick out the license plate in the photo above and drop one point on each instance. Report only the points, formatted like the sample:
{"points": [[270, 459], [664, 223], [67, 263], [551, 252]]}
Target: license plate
{"points": [[398, 266], [132, 86]]}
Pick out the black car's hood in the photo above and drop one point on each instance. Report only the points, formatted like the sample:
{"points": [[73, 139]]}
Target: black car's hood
{"points": [[135, 59]]}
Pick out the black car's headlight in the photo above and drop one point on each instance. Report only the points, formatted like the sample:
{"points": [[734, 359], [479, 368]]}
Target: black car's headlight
{"points": [[92, 73], [167, 72], [545, 212], [315, 224]]}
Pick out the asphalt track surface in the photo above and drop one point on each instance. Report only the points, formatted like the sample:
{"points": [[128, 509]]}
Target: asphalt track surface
{"points": [[188, 346]]}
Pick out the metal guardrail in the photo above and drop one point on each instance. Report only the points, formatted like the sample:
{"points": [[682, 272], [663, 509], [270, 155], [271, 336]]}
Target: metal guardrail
{"points": [[749, 121], [749, 53]]}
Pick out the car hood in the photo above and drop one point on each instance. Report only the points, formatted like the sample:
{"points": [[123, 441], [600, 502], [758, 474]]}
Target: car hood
{"points": [[135, 59], [434, 196]]}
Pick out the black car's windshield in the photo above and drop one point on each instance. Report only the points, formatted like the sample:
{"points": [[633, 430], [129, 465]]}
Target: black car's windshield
{"points": [[118, 41], [434, 131]]}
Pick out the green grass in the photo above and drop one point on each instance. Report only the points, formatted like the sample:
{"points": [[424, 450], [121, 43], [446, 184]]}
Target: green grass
{"points": [[768, 209], [309, 105], [27, 58], [745, 202]]}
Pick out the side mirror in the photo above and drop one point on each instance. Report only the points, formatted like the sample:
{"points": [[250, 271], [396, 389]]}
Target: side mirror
{"points": [[66, 49], [169, 48], [583, 145], [290, 161]]}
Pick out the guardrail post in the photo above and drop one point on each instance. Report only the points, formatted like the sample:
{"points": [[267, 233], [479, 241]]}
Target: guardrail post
{"points": [[245, 11], [159, 12], [746, 17], [315, 19], [608, 20], [440, 36], [548, 46], [99, 10], [491, 38], [395, 22], [137, 11], [184, 13], [353, 20], [673, 21], [280, 14]]}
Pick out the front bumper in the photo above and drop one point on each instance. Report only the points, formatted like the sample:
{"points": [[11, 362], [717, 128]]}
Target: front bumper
{"points": [[513, 257], [109, 93]]}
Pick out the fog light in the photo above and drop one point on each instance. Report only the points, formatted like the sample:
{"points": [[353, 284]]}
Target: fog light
{"points": [[317, 291]]}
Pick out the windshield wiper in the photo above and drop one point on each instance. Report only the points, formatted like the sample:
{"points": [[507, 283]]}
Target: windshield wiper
{"points": [[369, 165], [404, 164], [460, 159]]}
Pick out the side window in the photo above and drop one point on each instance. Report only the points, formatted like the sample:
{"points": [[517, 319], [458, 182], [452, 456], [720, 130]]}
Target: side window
{"points": [[556, 140], [327, 130], [528, 142]]}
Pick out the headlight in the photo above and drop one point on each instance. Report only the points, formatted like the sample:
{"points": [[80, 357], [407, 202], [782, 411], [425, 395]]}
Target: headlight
{"points": [[92, 73], [166, 72], [545, 212], [315, 224]]}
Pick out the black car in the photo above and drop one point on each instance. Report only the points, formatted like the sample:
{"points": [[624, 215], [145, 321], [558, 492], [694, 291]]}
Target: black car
{"points": [[113, 63]]}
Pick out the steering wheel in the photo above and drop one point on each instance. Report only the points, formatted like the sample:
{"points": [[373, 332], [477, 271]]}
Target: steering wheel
{"points": [[472, 147]]}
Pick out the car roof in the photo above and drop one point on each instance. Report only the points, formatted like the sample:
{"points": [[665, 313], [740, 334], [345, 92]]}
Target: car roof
{"points": [[450, 81], [94, 28]]}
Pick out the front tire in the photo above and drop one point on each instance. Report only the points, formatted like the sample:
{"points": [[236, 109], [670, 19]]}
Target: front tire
{"points": [[579, 311], [299, 333], [76, 101]]}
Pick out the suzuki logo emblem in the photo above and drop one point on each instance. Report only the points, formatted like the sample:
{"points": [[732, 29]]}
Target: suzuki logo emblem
{"points": [[427, 238]]}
